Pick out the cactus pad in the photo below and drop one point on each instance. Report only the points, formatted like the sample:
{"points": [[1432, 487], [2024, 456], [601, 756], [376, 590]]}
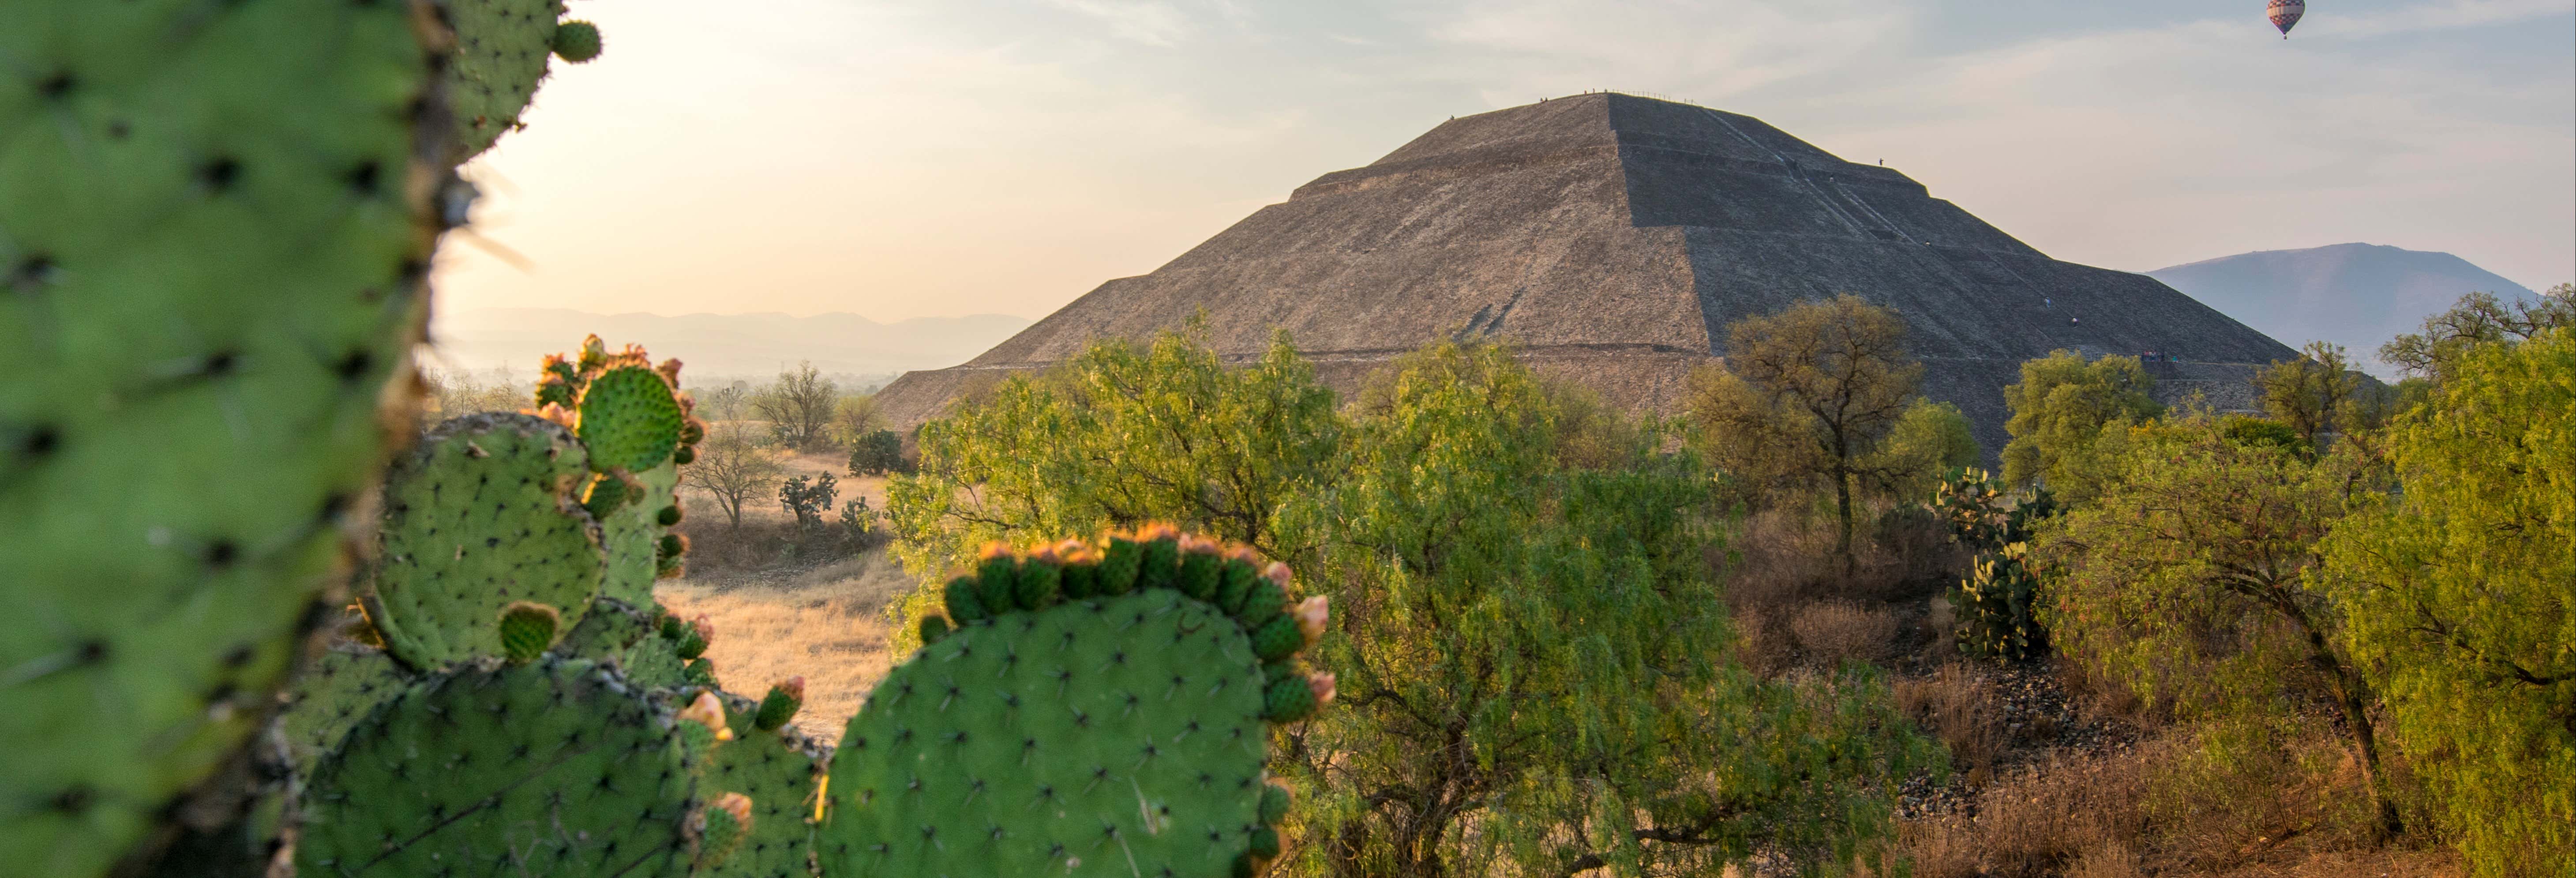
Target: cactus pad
{"points": [[211, 240], [501, 55], [630, 419], [555, 768], [1118, 732], [776, 769], [334, 694], [478, 517]]}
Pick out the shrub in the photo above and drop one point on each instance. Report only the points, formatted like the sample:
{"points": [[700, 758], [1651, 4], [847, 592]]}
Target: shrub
{"points": [[1838, 631], [877, 454], [807, 498]]}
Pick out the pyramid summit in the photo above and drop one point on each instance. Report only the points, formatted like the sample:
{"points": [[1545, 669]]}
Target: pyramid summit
{"points": [[1612, 239]]}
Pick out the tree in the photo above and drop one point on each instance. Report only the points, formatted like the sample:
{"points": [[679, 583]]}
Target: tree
{"points": [[2479, 318], [2460, 590], [854, 418], [1525, 651], [798, 407], [1121, 435], [1929, 441], [878, 453], [1806, 394], [2187, 580], [733, 469], [2320, 395], [2061, 409], [725, 403]]}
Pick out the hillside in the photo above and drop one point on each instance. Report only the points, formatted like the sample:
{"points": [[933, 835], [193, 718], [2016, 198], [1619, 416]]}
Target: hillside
{"points": [[2355, 295], [722, 344]]}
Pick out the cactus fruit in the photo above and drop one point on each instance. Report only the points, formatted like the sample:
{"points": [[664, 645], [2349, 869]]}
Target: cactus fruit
{"points": [[211, 259], [476, 518], [556, 767], [502, 47], [775, 768], [528, 629], [780, 705], [722, 825], [1115, 731], [576, 41]]}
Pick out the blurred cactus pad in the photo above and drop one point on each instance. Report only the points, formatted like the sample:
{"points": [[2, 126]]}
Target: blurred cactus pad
{"points": [[504, 51], [1095, 710], [212, 242]]}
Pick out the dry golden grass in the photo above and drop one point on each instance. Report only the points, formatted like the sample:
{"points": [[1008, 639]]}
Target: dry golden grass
{"points": [[1959, 703], [1836, 630], [826, 624]]}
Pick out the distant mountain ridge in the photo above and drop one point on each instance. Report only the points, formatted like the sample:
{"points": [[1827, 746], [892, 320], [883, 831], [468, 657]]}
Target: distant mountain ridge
{"points": [[719, 344], [2355, 295]]}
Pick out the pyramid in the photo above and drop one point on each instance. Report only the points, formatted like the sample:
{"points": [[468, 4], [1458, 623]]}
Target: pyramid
{"points": [[1612, 239]]}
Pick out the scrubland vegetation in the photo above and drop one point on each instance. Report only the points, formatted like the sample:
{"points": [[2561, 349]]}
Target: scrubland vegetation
{"points": [[1795, 631]]}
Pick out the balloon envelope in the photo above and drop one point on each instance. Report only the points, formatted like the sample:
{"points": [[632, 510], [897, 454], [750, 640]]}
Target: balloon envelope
{"points": [[2285, 13]]}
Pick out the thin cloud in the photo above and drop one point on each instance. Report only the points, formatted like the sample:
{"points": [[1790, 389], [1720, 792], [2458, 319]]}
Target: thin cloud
{"points": [[2438, 16], [1153, 24]]}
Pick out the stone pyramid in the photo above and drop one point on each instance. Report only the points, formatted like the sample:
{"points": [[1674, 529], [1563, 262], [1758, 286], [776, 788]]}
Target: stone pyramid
{"points": [[1613, 238]]}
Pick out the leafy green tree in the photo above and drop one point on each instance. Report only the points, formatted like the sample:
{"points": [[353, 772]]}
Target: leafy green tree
{"points": [[854, 418], [1806, 395], [2317, 394], [1928, 442], [1531, 659], [2479, 318], [2460, 590], [1119, 436], [2187, 579], [2061, 410]]}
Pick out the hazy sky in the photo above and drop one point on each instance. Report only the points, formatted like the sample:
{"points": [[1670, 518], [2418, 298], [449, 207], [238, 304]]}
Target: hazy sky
{"points": [[903, 158]]}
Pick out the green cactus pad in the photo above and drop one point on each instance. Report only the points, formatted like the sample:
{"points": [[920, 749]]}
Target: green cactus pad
{"points": [[633, 535], [555, 768], [502, 48], [1117, 736], [331, 696], [606, 631], [476, 518], [777, 769], [211, 242], [630, 419]]}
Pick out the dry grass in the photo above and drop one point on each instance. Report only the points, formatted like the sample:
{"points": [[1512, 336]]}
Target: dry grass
{"points": [[1837, 630], [826, 624], [1960, 705], [2197, 800]]}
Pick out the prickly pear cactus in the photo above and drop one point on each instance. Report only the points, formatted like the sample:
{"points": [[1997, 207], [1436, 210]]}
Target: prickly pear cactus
{"points": [[212, 241], [556, 767], [502, 50], [776, 768], [1094, 712], [332, 695], [479, 516], [635, 421]]}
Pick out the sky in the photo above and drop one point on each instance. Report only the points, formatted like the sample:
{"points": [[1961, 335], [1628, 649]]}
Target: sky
{"points": [[910, 158]]}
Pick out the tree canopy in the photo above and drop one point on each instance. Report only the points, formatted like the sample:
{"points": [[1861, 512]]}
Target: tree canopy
{"points": [[2460, 590], [2060, 410], [1806, 395]]}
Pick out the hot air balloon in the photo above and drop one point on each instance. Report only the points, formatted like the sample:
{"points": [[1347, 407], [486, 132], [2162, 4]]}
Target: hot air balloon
{"points": [[2285, 14]]}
